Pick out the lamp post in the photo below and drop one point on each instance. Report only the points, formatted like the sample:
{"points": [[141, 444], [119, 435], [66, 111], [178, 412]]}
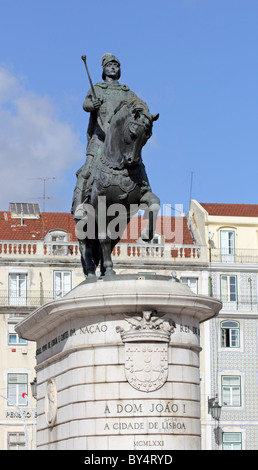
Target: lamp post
{"points": [[34, 388], [215, 410]]}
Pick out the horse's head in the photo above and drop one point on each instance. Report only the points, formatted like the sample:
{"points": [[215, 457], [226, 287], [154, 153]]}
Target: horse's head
{"points": [[137, 130], [129, 131]]}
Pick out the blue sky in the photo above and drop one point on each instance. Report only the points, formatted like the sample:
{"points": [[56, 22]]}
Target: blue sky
{"points": [[194, 62]]}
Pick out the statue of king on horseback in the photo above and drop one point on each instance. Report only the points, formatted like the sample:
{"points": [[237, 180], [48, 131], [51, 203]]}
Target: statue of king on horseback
{"points": [[113, 178]]}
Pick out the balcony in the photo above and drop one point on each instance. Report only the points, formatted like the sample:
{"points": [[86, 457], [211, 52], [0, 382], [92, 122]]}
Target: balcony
{"points": [[163, 253], [37, 249], [30, 299], [243, 304], [123, 252], [242, 256]]}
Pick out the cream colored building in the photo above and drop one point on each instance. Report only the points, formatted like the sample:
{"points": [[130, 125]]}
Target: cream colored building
{"points": [[40, 261], [214, 253], [230, 343]]}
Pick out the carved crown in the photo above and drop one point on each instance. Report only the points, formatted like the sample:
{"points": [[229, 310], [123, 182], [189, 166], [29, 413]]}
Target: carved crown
{"points": [[149, 328]]}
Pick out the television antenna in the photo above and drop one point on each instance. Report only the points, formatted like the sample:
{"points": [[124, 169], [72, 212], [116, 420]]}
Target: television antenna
{"points": [[44, 179], [191, 187]]}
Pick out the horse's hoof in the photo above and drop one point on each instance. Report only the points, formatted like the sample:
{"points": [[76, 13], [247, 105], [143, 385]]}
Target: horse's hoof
{"points": [[110, 272], [91, 275]]}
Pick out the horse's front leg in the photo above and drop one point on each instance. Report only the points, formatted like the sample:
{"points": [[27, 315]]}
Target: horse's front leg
{"points": [[107, 259], [105, 245], [153, 203]]}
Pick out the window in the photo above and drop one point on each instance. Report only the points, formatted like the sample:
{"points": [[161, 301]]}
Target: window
{"points": [[16, 386], [13, 337], [231, 390], [191, 282], [231, 441], [57, 242], [17, 289], [228, 288], [227, 246], [16, 441], [229, 334], [62, 283]]}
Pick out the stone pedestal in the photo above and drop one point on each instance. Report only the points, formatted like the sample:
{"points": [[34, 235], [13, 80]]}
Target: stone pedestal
{"points": [[118, 365]]}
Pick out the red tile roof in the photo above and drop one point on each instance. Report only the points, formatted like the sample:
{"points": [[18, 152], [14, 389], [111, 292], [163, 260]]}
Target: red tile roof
{"points": [[36, 229], [231, 210]]}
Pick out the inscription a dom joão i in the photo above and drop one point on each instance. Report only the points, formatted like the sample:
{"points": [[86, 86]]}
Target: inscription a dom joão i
{"points": [[166, 407], [131, 417]]}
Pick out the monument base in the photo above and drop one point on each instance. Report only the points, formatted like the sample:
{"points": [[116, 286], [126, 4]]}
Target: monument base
{"points": [[118, 365]]}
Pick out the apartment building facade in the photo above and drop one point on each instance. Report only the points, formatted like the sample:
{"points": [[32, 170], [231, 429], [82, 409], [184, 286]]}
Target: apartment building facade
{"points": [[230, 362], [212, 254], [39, 262]]}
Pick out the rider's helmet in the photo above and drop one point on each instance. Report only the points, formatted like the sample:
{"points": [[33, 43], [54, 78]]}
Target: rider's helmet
{"points": [[110, 58]]}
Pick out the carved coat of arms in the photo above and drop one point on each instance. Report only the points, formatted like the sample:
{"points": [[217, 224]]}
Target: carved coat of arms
{"points": [[146, 350]]}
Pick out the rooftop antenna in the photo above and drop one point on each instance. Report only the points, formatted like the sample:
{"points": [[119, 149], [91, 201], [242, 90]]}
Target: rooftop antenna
{"points": [[191, 187], [44, 179]]}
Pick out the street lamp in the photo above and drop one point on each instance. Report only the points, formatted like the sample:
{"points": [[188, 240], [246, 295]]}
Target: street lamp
{"points": [[34, 388], [216, 411], [214, 408]]}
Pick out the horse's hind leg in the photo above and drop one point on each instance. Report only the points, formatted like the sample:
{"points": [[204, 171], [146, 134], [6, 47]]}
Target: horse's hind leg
{"points": [[82, 251], [89, 267]]}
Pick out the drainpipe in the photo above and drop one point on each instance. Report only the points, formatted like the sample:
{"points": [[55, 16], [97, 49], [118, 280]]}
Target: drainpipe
{"points": [[251, 291]]}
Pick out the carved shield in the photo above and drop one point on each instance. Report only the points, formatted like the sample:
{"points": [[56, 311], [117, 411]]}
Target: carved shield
{"points": [[146, 365]]}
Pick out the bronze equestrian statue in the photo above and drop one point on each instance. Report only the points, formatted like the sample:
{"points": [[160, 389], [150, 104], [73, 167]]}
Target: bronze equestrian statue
{"points": [[113, 179]]}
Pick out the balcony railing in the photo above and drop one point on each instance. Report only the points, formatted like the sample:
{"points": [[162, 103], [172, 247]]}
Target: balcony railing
{"points": [[29, 299], [38, 248], [166, 252], [37, 298], [243, 303], [122, 251], [248, 256]]}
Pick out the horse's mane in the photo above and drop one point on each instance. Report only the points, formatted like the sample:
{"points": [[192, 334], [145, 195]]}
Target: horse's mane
{"points": [[136, 104]]}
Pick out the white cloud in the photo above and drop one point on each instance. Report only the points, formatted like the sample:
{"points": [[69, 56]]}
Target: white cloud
{"points": [[34, 142]]}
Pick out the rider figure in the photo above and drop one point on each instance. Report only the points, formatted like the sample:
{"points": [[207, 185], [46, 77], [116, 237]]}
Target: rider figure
{"points": [[109, 95]]}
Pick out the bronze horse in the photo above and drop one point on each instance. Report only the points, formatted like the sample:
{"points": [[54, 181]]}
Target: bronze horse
{"points": [[119, 185]]}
